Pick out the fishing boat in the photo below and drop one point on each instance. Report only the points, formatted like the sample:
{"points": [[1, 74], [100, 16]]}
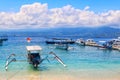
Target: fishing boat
{"points": [[62, 46], [2, 39], [80, 42], [59, 41], [91, 42], [33, 55], [102, 45], [116, 44]]}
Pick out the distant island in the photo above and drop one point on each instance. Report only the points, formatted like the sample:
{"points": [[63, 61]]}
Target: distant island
{"points": [[100, 32]]}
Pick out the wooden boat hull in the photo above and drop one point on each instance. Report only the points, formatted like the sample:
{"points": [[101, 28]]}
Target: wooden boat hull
{"points": [[34, 59], [53, 42]]}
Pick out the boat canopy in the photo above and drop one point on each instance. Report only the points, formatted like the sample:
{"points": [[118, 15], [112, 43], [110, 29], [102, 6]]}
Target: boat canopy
{"points": [[60, 39], [33, 48]]}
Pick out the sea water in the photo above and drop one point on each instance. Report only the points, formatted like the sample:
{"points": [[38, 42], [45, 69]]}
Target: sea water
{"points": [[81, 61]]}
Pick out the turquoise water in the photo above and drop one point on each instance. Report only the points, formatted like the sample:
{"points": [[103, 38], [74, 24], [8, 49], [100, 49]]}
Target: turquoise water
{"points": [[78, 58]]}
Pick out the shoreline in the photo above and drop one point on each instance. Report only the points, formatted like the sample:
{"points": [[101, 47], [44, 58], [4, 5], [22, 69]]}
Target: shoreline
{"points": [[67, 75]]}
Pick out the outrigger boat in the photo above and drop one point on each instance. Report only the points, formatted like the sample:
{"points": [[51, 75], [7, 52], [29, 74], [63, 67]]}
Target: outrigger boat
{"points": [[33, 57]]}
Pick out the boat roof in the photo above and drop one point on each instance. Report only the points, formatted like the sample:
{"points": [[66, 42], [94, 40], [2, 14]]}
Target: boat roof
{"points": [[33, 48], [60, 39]]}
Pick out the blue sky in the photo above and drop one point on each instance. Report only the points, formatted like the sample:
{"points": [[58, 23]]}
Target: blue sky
{"points": [[24, 14], [95, 5]]}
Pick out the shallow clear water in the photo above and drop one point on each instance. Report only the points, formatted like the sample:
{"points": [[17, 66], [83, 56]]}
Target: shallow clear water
{"points": [[77, 59]]}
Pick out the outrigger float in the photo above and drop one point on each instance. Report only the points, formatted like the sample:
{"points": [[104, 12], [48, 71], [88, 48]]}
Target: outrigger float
{"points": [[9, 60], [33, 57]]}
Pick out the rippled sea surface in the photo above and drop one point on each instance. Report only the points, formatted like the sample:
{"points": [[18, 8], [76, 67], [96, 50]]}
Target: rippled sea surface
{"points": [[81, 61]]}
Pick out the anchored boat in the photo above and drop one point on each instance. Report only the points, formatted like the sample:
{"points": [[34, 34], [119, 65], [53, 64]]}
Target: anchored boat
{"points": [[33, 57], [91, 42], [80, 42], [62, 46], [116, 44], [59, 41]]}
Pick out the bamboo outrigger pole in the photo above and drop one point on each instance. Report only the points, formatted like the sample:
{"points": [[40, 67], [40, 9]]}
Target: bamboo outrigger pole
{"points": [[8, 62], [58, 58]]}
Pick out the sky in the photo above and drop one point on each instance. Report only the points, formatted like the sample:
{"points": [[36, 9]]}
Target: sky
{"points": [[24, 14]]}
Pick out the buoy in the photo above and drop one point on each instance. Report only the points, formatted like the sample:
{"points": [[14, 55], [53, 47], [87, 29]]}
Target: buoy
{"points": [[28, 39]]}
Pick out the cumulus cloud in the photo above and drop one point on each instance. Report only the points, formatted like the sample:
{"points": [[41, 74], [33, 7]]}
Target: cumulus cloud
{"points": [[38, 15]]}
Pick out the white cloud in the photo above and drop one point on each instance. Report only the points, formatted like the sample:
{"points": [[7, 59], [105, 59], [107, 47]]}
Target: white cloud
{"points": [[38, 15], [86, 8]]}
